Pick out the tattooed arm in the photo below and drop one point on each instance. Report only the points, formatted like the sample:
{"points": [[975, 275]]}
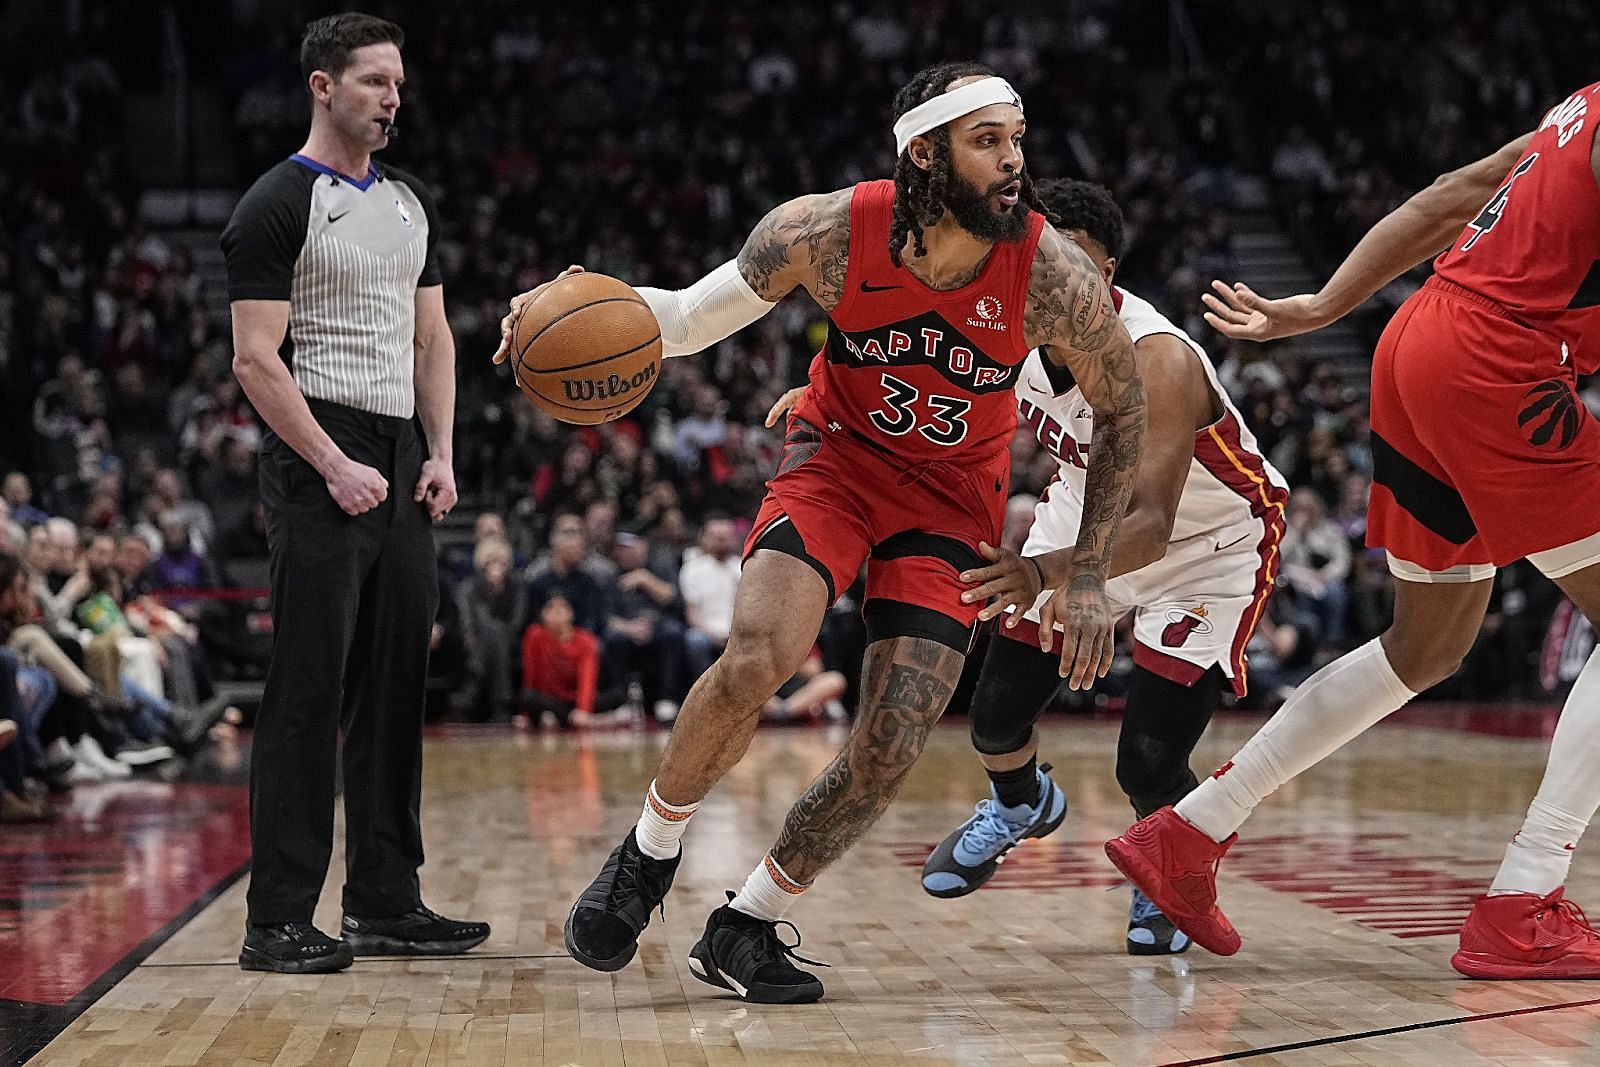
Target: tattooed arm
{"points": [[803, 243], [1071, 318]]}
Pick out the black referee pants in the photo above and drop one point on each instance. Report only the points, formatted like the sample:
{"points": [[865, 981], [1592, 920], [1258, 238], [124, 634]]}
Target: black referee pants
{"points": [[353, 604]]}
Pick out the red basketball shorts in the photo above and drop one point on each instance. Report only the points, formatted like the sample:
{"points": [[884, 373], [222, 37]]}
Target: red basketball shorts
{"points": [[839, 501], [1483, 452]]}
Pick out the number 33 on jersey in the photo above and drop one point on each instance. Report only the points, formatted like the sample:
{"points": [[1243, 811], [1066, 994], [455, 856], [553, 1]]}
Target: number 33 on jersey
{"points": [[924, 374]]}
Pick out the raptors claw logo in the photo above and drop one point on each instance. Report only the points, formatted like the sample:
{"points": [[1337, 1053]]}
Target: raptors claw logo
{"points": [[1551, 407]]}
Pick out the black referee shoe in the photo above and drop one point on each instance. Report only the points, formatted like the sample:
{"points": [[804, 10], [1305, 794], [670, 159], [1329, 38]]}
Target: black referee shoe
{"points": [[744, 954], [292, 948], [603, 927], [418, 932]]}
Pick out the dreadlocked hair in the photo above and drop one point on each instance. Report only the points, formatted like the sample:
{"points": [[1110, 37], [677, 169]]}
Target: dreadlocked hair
{"points": [[919, 194]]}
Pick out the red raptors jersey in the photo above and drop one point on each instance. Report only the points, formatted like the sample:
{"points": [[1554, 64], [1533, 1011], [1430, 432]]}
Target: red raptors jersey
{"points": [[1535, 247], [924, 374]]}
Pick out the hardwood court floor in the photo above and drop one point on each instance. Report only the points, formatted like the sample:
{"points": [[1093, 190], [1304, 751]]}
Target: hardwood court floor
{"points": [[1347, 891]]}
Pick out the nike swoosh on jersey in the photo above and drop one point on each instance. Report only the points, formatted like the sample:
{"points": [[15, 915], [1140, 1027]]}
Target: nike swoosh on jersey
{"points": [[332, 218], [867, 287], [1230, 544]]}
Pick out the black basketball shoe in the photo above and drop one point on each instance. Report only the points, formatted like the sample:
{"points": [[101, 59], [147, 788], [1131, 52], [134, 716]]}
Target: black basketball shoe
{"points": [[292, 948], [744, 954], [603, 927], [418, 932]]}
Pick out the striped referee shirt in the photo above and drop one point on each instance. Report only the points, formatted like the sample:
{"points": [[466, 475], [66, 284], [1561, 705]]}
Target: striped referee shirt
{"points": [[348, 256]]}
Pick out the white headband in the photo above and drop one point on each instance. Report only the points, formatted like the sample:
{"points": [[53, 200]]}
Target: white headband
{"points": [[931, 114]]}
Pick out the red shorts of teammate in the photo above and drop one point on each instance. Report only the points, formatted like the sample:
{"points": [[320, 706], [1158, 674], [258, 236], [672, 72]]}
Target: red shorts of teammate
{"points": [[1483, 452], [838, 501]]}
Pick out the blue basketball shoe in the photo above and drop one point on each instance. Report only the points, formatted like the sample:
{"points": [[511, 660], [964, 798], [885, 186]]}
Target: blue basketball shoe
{"points": [[1150, 933], [970, 853]]}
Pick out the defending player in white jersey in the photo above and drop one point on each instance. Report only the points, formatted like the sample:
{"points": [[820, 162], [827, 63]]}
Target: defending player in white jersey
{"points": [[1195, 562]]}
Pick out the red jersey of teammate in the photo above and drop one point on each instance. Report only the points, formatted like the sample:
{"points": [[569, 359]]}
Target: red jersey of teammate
{"points": [[1534, 249], [924, 374]]}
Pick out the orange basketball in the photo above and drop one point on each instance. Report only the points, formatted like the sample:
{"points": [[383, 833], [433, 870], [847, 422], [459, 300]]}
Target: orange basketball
{"points": [[587, 350]]}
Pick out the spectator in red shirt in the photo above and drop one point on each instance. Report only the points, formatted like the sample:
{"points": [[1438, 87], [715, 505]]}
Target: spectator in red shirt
{"points": [[561, 668]]}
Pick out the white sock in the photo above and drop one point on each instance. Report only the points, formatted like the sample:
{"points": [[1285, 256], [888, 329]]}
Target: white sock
{"points": [[1330, 708], [661, 826], [768, 892], [1537, 859]]}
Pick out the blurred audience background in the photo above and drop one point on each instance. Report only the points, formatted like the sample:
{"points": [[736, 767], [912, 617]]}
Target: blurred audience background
{"points": [[589, 573]]}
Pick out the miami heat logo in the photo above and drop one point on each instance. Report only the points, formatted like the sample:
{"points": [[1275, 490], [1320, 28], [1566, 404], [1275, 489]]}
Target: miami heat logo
{"points": [[1181, 623], [1551, 410], [988, 308]]}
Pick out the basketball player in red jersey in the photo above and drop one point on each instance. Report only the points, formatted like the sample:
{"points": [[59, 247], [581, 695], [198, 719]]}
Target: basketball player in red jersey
{"points": [[1482, 455], [936, 285]]}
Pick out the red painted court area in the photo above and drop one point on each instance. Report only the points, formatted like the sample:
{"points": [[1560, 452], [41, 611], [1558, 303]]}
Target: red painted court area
{"points": [[78, 896], [1376, 879]]}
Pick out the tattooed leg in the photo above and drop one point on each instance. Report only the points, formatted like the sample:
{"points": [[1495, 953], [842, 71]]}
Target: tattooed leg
{"points": [[776, 615], [906, 683]]}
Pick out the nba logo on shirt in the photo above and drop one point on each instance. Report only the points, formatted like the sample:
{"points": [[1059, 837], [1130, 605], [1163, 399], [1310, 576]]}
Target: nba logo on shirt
{"points": [[405, 216]]}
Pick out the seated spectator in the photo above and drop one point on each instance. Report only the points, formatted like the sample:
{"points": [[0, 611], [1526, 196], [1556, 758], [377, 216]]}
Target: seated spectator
{"points": [[134, 672], [229, 487], [38, 553], [812, 695], [561, 669], [1283, 649], [184, 668], [644, 639], [18, 494], [709, 579], [1316, 562], [246, 542], [180, 565], [492, 605], [56, 701], [563, 571], [19, 802], [195, 515]]}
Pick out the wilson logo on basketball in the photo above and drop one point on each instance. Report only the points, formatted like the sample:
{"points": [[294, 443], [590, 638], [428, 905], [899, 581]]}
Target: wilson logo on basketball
{"points": [[1181, 623], [1552, 414], [607, 388]]}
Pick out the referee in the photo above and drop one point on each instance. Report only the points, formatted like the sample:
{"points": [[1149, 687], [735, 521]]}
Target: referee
{"points": [[341, 343]]}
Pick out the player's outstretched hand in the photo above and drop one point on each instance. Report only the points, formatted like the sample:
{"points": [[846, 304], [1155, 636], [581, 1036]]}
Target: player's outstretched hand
{"points": [[1080, 609], [1239, 312], [519, 304], [1011, 581], [785, 402]]}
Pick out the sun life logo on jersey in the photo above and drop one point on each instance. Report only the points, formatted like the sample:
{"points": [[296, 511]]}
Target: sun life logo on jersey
{"points": [[988, 310], [405, 216]]}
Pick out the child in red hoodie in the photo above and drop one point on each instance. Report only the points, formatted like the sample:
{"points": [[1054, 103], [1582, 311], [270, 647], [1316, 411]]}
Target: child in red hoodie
{"points": [[561, 667]]}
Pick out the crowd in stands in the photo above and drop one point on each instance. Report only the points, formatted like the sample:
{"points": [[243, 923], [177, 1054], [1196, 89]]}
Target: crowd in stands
{"points": [[644, 142], [1459, 79]]}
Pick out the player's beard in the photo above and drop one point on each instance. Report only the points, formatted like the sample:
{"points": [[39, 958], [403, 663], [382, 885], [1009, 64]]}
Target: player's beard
{"points": [[971, 208]]}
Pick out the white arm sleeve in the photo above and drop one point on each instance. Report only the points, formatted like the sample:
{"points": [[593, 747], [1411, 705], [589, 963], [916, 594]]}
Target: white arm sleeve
{"points": [[717, 306]]}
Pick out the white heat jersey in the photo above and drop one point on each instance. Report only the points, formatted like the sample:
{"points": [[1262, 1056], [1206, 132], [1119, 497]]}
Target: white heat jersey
{"points": [[1229, 480]]}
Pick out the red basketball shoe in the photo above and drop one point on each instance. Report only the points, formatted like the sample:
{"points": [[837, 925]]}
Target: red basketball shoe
{"points": [[1520, 935], [1175, 865]]}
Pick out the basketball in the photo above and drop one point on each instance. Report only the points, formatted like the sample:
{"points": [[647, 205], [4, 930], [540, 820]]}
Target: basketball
{"points": [[588, 350]]}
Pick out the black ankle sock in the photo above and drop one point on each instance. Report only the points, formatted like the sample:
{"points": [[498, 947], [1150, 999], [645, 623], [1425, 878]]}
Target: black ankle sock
{"points": [[1020, 786]]}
